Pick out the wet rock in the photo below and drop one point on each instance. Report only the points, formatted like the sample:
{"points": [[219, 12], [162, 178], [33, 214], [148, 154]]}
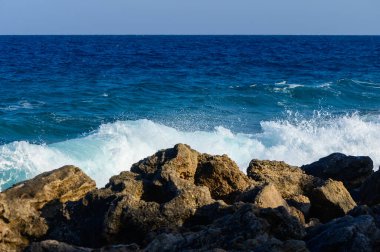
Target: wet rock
{"points": [[331, 200], [289, 180], [351, 170], [345, 234], [21, 217], [370, 190]]}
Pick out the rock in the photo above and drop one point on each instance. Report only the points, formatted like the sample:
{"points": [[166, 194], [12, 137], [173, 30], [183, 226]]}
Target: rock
{"points": [[351, 170], [289, 180], [219, 173], [56, 246], [370, 190], [264, 196], [159, 193], [300, 202], [244, 228], [181, 159], [345, 234], [21, 217], [222, 176], [331, 200]]}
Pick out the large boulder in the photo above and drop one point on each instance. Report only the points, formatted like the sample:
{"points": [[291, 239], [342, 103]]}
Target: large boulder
{"points": [[351, 170], [370, 190], [289, 180], [331, 200], [21, 206], [345, 234]]}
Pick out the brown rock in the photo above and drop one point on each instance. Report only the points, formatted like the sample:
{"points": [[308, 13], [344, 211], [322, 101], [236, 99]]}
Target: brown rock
{"points": [[21, 205], [289, 180], [222, 176], [181, 159], [331, 200], [264, 196]]}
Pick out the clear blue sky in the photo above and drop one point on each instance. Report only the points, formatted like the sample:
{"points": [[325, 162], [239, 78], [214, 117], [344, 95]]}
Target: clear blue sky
{"points": [[190, 17]]}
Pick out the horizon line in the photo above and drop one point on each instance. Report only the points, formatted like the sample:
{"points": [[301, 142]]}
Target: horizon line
{"points": [[174, 34]]}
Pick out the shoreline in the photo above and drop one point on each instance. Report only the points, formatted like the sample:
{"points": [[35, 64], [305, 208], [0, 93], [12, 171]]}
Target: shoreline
{"points": [[180, 199]]}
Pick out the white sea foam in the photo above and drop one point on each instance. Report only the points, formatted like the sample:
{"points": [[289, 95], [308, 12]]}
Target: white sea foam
{"points": [[116, 146]]}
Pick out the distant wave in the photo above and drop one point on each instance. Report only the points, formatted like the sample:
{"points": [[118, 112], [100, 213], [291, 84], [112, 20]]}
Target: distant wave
{"points": [[114, 147]]}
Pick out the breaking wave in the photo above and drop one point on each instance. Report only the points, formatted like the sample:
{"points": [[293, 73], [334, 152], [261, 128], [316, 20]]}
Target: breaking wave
{"points": [[114, 147]]}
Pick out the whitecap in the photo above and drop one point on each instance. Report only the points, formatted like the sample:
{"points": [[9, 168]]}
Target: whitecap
{"points": [[114, 147]]}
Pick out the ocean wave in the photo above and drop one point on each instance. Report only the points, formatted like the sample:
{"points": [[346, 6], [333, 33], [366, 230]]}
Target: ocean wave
{"points": [[114, 147]]}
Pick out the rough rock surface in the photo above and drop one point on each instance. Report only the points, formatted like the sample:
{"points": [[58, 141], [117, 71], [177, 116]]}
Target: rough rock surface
{"points": [[245, 228], [56, 246], [370, 190], [180, 199], [289, 180], [351, 170], [263, 196], [222, 176], [345, 234], [331, 200], [20, 205]]}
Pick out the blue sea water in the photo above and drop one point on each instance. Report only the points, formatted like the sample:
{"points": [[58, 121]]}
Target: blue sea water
{"points": [[104, 102]]}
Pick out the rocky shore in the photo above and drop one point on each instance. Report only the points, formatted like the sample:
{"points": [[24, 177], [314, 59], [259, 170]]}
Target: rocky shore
{"points": [[182, 200]]}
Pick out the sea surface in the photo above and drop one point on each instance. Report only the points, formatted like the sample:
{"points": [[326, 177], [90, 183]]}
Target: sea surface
{"points": [[105, 102]]}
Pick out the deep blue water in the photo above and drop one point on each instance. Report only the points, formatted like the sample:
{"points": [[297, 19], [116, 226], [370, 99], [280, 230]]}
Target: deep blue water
{"points": [[63, 97]]}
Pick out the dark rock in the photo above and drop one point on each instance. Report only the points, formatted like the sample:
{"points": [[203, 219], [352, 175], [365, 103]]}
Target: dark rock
{"points": [[351, 170], [345, 234], [56, 246], [245, 228], [370, 190]]}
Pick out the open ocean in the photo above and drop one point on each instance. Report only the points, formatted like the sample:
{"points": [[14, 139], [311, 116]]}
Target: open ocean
{"points": [[105, 102]]}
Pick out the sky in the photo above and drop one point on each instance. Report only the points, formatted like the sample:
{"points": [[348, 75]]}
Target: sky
{"points": [[295, 17]]}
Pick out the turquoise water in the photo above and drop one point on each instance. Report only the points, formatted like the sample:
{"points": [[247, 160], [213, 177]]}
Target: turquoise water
{"points": [[104, 102]]}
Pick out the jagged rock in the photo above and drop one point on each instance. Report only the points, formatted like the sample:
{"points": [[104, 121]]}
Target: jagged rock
{"points": [[351, 170], [289, 180], [181, 159], [370, 190], [20, 206], [245, 228], [159, 193], [222, 176], [56, 246], [345, 234], [331, 200]]}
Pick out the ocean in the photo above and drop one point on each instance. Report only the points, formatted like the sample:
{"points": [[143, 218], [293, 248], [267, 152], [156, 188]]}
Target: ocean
{"points": [[103, 103]]}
